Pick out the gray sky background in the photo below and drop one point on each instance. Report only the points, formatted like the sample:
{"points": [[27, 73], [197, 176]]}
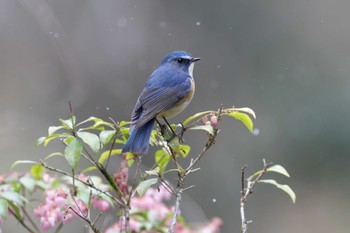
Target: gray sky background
{"points": [[288, 60]]}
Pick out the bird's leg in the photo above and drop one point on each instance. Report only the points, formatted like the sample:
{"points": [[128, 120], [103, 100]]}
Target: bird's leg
{"points": [[161, 126], [174, 134]]}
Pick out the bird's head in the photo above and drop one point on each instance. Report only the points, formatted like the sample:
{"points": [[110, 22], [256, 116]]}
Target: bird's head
{"points": [[180, 60]]}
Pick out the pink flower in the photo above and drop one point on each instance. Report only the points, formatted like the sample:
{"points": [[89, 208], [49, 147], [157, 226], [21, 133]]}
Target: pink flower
{"points": [[157, 215], [54, 209], [214, 121], [100, 204], [121, 176]]}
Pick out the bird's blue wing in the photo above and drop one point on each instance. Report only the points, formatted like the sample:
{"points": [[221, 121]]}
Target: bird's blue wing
{"points": [[162, 91]]}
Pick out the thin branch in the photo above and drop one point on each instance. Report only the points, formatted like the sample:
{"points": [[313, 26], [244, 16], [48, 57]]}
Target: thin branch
{"points": [[176, 210], [115, 136], [93, 228], [247, 190], [21, 221], [59, 227], [210, 142], [30, 219], [77, 179], [134, 180]]}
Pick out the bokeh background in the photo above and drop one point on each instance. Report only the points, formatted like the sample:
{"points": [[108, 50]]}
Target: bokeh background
{"points": [[288, 60]]}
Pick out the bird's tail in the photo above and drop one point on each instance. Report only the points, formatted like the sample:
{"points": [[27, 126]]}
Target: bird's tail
{"points": [[139, 139]]}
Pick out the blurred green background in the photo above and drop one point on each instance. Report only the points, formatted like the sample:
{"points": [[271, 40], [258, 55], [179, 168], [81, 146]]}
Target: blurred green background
{"points": [[288, 60]]}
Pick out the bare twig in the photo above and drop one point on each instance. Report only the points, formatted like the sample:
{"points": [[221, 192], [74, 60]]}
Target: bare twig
{"points": [[247, 190], [21, 221], [84, 218], [182, 174], [176, 210], [59, 227], [30, 219], [77, 179]]}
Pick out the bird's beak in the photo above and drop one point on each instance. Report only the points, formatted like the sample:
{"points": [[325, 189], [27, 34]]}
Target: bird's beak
{"points": [[194, 59]]}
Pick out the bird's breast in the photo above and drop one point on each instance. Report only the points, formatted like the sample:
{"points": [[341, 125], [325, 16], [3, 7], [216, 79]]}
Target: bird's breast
{"points": [[180, 105]]}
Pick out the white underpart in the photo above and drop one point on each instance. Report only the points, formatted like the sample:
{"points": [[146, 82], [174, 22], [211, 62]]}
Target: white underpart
{"points": [[190, 69]]}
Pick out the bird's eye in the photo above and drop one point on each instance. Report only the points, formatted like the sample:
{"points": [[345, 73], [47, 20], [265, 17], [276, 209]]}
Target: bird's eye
{"points": [[180, 60]]}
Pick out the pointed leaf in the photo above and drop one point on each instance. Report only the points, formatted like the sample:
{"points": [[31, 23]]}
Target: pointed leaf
{"points": [[68, 140], [153, 172], [279, 169], [91, 139], [37, 170], [207, 128], [14, 197], [106, 136], [124, 123], [3, 208], [28, 182], [88, 169], [105, 155], [22, 162], [244, 118], [53, 154], [54, 136], [162, 159], [39, 141], [53, 129], [189, 119], [72, 153], [144, 185], [16, 209], [245, 110], [69, 122], [283, 187], [89, 119]]}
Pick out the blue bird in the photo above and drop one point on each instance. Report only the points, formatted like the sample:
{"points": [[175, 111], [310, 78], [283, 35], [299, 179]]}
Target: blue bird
{"points": [[167, 92]]}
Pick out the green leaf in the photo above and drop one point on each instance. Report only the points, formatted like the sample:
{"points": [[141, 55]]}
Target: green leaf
{"points": [[174, 144], [88, 169], [279, 169], [53, 129], [39, 141], [28, 182], [68, 140], [154, 172], [106, 136], [88, 120], [53, 154], [124, 123], [14, 197], [105, 155], [91, 139], [207, 128], [244, 118], [197, 115], [144, 185], [54, 136], [22, 162], [37, 170], [72, 153], [4, 209], [162, 159], [185, 150], [16, 209], [69, 122], [283, 187], [244, 110], [130, 158]]}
